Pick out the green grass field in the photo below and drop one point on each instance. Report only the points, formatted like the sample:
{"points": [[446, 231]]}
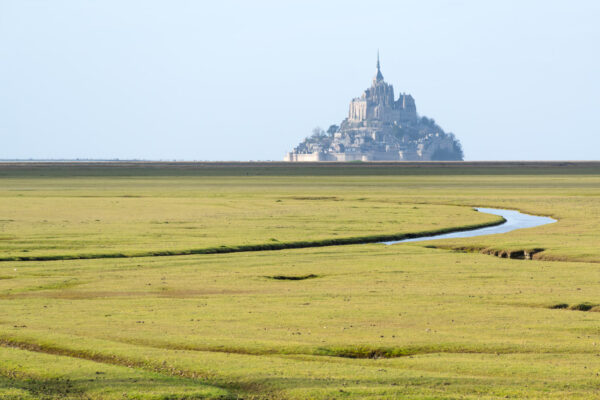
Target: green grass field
{"points": [[425, 320]]}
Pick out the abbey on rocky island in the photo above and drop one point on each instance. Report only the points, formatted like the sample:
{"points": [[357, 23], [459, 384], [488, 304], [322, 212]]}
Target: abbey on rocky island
{"points": [[380, 128]]}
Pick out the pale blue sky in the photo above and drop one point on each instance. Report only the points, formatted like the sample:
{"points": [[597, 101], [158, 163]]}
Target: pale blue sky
{"points": [[247, 80]]}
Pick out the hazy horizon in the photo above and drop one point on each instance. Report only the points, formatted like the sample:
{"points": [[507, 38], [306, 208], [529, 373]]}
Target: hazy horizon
{"points": [[234, 81]]}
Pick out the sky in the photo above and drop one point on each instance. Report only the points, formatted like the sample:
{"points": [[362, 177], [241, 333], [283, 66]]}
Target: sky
{"points": [[248, 80]]}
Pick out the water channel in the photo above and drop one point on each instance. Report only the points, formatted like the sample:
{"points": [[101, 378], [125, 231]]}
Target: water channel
{"points": [[514, 220]]}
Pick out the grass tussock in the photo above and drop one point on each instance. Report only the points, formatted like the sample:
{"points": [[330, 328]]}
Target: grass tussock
{"points": [[559, 306], [583, 306], [292, 277], [315, 198]]}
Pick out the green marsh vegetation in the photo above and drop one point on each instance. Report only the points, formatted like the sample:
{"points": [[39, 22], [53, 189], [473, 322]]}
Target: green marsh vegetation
{"points": [[437, 319]]}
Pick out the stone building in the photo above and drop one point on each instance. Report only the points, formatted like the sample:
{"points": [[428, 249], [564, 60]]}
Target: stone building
{"points": [[380, 127]]}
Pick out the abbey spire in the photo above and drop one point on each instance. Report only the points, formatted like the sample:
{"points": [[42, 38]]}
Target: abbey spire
{"points": [[378, 76]]}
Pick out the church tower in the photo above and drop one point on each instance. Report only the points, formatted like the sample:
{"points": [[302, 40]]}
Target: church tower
{"points": [[380, 97], [378, 76]]}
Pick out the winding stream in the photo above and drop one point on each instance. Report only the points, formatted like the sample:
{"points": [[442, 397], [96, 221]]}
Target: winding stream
{"points": [[514, 220]]}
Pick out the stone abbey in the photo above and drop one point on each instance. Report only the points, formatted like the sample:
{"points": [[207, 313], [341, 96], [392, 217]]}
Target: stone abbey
{"points": [[380, 127]]}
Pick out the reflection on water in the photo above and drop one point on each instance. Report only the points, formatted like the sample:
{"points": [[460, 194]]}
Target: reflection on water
{"points": [[514, 220]]}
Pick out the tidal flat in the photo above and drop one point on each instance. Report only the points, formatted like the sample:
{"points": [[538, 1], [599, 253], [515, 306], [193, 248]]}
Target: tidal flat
{"points": [[437, 319]]}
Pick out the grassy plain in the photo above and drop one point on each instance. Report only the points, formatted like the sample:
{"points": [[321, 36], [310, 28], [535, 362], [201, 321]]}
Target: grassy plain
{"points": [[373, 321]]}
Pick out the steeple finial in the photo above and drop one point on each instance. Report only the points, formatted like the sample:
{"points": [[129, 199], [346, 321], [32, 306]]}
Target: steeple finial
{"points": [[378, 76]]}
